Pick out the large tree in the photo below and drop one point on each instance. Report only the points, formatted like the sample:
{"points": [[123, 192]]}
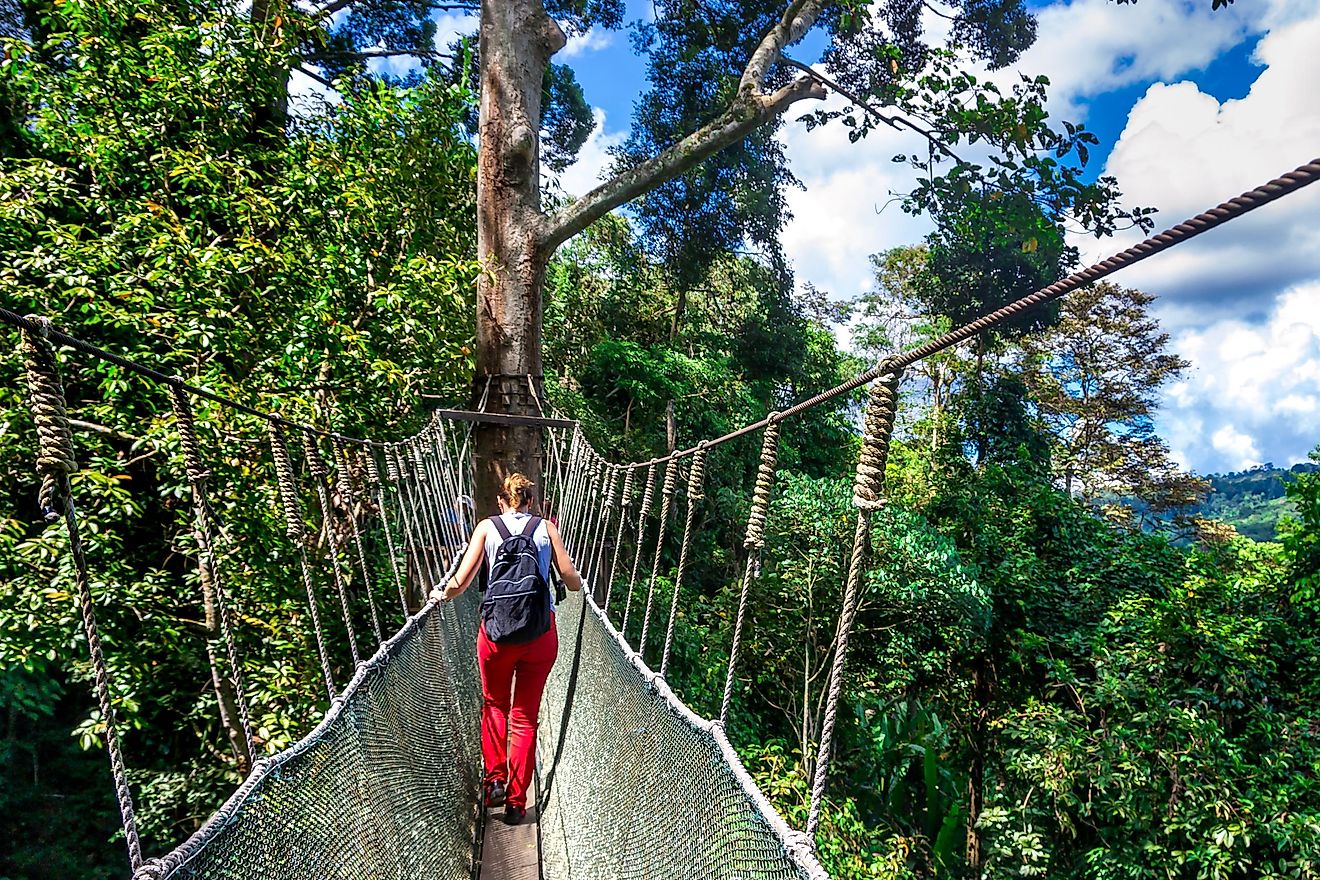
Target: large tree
{"points": [[875, 54], [1095, 377]]}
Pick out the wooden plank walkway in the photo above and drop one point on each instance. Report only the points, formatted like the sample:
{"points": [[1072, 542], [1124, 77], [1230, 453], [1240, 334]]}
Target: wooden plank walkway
{"points": [[511, 852]]}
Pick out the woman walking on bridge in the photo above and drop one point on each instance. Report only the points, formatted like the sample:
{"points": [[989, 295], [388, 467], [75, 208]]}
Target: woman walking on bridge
{"points": [[517, 637]]}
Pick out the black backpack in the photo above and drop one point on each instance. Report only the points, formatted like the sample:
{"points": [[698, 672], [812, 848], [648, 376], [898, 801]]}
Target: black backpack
{"points": [[516, 607]]}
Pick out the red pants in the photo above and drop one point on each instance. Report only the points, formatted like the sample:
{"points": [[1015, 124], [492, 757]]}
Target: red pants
{"points": [[509, 715]]}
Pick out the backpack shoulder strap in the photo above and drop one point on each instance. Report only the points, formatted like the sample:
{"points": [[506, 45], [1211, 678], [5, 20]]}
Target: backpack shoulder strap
{"points": [[500, 527], [530, 528]]}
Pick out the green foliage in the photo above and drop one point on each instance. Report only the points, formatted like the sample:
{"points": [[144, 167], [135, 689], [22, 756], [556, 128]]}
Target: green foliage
{"points": [[148, 211]]}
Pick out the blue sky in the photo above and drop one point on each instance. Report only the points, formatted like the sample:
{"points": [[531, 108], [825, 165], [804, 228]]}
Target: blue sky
{"points": [[1191, 107]]}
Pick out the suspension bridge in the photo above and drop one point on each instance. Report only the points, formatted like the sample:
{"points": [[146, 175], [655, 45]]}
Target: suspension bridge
{"points": [[631, 783]]}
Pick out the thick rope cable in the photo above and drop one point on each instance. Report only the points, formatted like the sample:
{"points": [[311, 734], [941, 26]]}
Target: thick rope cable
{"points": [[207, 566], [344, 482], [666, 502], [379, 492], [55, 462], [296, 531], [696, 482], [648, 495], [753, 542], [320, 473], [868, 496], [625, 504]]}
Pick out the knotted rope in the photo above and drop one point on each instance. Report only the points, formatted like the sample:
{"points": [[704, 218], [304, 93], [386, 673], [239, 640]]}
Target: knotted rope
{"points": [[55, 462], [296, 530], [868, 496], [696, 480], [344, 482], [608, 504], [378, 491], [753, 542], [671, 484], [666, 501], [643, 512], [624, 501], [320, 472], [208, 570]]}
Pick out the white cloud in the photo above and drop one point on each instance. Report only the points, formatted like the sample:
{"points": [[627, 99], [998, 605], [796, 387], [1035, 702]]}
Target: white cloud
{"points": [[593, 40], [1183, 151], [1089, 47], [593, 159], [1236, 447], [1253, 391], [847, 209]]}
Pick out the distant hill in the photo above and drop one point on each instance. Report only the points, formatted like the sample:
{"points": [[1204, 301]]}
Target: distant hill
{"points": [[1252, 501]]}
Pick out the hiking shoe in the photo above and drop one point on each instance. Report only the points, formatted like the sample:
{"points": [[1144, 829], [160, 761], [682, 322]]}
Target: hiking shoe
{"points": [[514, 815], [494, 793]]}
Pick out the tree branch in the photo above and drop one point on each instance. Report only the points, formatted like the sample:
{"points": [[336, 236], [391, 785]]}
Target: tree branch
{"points": [[749, 111], [390, 53], [898, 123], [797, 18], [306, 71]]}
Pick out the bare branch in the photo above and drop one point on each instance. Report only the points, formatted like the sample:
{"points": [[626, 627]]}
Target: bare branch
{"points": [[749, 111]]}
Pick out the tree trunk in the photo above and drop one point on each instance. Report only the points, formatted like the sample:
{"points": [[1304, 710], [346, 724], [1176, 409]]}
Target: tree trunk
{"points": [[517, 40]]}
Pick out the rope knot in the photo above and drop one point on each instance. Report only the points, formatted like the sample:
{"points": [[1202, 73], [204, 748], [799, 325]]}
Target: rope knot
{"points": [[391, 464], [315, 461], [294, 527], [625, 494], [671, 477], [611, 486], [697, 474], [765, 478], [55, 459], [186, 424], [373, 469], [881, 410]]}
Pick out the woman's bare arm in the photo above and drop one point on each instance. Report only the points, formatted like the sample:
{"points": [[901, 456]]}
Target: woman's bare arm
{"points": [[572, 579], [476, 548]]}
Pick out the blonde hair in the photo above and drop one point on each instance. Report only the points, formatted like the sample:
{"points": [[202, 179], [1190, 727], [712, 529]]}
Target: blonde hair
{"points": [[517, 491]]}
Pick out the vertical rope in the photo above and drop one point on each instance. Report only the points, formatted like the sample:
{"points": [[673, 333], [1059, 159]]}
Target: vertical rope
{"points": [[55, 462], [603, 526], [430, 516], [208, 568], [591, 520], [868, 496], [296, 530], [666, 502], [648, 495], [696, 480], [753, 542], [344, 480], [624, 502], [379, 492], [320, 473]]}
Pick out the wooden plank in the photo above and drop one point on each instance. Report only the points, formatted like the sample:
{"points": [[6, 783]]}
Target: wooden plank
{"points": [[511, 852], [464, 415]]}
